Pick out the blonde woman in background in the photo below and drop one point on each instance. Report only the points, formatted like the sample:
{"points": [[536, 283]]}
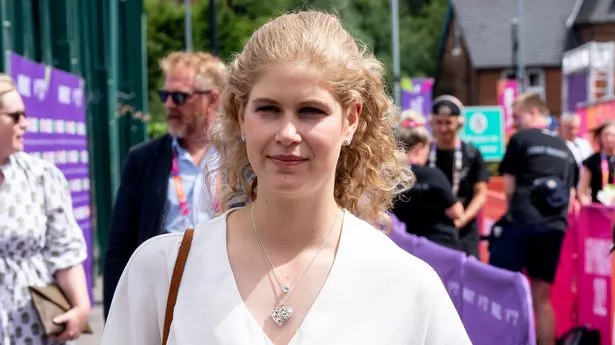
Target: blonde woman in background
{"points": [[429, 209], [40, 241], [306, 140]]}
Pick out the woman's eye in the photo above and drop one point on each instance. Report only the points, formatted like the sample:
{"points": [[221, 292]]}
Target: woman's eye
{"points": [[311, 111], [267, 109]]}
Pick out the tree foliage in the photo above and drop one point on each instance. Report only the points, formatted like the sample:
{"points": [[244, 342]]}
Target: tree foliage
{"points": [[368, 20]]}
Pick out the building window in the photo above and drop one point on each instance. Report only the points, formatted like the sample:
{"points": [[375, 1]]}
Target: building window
{"points": [[534, 80]]}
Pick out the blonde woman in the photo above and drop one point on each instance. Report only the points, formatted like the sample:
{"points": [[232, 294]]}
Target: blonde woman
{"points": [[306, 140], [429, 209], [40, 241]]}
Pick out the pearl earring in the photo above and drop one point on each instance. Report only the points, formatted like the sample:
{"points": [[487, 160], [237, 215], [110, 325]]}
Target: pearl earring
{"points": [[243, 138]]}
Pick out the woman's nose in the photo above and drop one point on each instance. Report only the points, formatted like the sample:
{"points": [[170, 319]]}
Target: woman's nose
{"points": [[288, 133]]}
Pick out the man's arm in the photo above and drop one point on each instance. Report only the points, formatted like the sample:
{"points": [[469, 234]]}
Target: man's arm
{"points": [[123, 232], [509, 186]]}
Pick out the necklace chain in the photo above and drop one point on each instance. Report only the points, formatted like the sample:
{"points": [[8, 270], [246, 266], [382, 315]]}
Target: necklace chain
{"points": [[286, 288], [281, 313]]}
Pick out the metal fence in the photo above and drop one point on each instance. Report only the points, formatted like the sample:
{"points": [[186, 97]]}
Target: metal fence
{"points": [[104, 42]]}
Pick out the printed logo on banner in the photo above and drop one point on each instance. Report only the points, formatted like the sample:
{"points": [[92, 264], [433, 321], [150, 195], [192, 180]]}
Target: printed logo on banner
{"points": [[33, 125], [61, 157], [84, 157], [599, 266], [24, 85], [40, 89], [64, 94], [71, 128], [492, 307], [59, 127], [81, 129], [46, 126], [78, 96]]}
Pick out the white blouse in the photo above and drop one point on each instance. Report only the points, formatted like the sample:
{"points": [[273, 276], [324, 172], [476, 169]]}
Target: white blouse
{"points": [[376, 293]]}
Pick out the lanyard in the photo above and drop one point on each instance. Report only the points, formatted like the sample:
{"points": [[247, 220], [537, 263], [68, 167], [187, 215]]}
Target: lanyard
{"points": [[184, 210], [604, 166], [457, 164]]}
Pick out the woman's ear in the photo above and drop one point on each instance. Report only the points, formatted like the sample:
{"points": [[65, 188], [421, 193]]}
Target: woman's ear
{"points": [[352, 120]]}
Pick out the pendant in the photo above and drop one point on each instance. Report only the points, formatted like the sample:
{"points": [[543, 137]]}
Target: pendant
{"points": [[285, 289], [281, 314]]}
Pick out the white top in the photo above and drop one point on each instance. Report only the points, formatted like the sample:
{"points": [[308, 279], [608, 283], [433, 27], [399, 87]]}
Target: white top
{"points": [[38, 236], [580, 148], [376, 293]]}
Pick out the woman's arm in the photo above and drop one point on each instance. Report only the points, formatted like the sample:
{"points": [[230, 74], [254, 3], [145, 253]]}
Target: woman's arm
{"points": [[72, 282]]}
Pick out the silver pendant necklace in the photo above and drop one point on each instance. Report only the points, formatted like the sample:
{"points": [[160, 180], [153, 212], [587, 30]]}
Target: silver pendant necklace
{"points": [[281, 313]]}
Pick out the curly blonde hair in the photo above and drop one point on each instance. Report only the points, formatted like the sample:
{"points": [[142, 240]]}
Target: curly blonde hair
{"points": [[372, 169]]}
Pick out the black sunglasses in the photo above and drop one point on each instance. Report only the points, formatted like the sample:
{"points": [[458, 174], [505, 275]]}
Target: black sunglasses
{"points": [[178, 97], [16, 115]]}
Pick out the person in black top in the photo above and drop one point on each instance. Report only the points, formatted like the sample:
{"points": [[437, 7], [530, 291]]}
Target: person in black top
{"points": [[539, 174], [463, 166], [598, 168], [429, 209]]}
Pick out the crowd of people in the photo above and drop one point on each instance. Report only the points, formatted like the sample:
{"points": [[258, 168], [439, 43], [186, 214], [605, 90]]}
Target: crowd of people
{"points": [[281, 169]]}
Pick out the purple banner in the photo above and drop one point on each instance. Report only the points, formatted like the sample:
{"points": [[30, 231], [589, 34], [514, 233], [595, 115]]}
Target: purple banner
{"points": [[494, 304], [416, 96], [57, 132], [576, 90]]}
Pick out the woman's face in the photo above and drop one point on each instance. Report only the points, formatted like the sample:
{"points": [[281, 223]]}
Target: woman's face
{"points": [[607, 138], [12, 124], [294, 128], [419, 154]]}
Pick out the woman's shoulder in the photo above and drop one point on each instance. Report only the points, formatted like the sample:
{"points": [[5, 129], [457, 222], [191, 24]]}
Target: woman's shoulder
{"points": [[381, 256], [161, 251]]}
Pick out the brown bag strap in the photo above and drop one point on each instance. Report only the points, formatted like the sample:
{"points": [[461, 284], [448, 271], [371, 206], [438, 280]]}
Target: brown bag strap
{"points": [[176, 279]]}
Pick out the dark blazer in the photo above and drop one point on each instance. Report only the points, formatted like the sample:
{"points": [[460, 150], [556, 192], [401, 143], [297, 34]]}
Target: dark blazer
{"points": [[139, 208]]}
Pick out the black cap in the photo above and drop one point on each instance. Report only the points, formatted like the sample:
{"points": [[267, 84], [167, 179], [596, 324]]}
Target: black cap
{"points": [[447, 105]]}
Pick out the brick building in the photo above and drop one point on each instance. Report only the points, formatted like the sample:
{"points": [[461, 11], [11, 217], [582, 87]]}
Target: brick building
{"points": [[476, 49]]}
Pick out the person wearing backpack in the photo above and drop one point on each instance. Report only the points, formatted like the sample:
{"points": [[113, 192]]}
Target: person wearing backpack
{"points": [[539, 174]]}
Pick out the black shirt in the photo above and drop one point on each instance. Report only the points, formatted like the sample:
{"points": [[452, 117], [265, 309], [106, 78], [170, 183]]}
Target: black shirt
{"points": [[532, 154], [593, 163], [473, 171], [423, 207]]}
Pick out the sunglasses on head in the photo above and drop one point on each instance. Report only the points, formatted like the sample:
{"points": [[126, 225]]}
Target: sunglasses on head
{"points": [[178, 97], [16, 115]]}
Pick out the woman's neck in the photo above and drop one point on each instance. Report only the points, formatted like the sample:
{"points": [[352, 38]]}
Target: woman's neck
{"points": [[295, 224], [4, 159], [414, 160]]}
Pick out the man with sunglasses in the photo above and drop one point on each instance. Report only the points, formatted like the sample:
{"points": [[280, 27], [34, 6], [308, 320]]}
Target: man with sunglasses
{"points": [[165, 186]]}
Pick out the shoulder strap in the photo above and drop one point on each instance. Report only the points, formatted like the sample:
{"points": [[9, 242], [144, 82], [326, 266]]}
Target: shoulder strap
{"points": [[178, 271]]}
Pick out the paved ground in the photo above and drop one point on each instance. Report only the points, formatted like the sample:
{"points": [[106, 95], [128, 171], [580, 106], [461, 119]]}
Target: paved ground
{"points": [[96, 318]]}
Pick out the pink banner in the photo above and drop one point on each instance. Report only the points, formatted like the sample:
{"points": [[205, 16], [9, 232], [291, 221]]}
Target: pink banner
{"points": [[581, 293], [507, 91], [594, 269], [563, 294]]}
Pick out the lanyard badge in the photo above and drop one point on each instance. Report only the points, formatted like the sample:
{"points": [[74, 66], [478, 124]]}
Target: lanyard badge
{"points": [[184, 210]]}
